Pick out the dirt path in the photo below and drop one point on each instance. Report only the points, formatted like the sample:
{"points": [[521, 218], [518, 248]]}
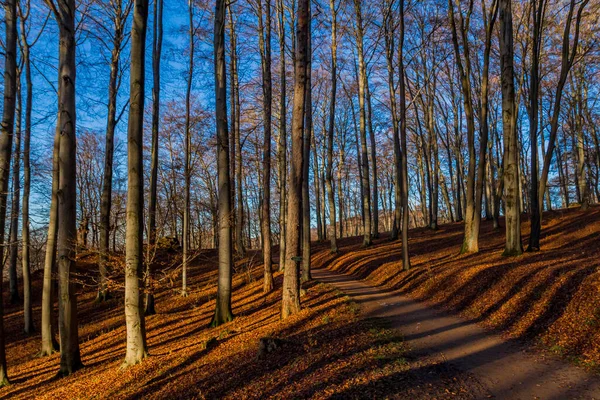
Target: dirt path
{"points": [[503, 367]]}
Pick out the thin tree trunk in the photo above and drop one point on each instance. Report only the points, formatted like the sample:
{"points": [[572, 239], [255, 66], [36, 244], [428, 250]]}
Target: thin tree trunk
{"points": [[567, 59], [306, 141], [267, 89], [330, 131], [236, 147], [375, 194], [26, 263], [362, 83], [282, 144], [390, 34], [157, 38], [404, 172], [13, 245], [187, 154], [6, 134], [106, 197]]}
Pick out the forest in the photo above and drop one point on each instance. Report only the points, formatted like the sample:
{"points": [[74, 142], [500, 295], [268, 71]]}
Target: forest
{"points": [[300, 199]]}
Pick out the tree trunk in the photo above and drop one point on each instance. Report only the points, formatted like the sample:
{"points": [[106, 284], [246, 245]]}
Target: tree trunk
{"points": [[70, 359], [282, 144], [134, 283], [6, 134], [404, 154], [236, 146], [13, 241], [390, 34], [306, 141], [291, 286], [26, 263], [223, 312], [375, 194], [187, 154], [106, 197], [267, 89], [330, 131], [512, 210], [157, 38], [362, 83], [569, 51]]}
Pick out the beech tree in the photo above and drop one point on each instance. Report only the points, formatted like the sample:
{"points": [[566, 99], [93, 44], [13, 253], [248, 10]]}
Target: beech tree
{"points": [[26, 45], [264, 39], [476, 173], [119, 13], [223, 312], [6, 135], [157, 38], [70, 358], [513, 245], [290, 303], [136, 349], [187, 152], [331, 129]]}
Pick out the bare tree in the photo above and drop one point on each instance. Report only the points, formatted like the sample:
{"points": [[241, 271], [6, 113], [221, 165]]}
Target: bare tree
{"points": [[13, 241], [282, 143], [24, 13], [512, 207], [306, 144], [264, 28], [290, 303], [223, 304], [119, 16], [331, 128], [134, 306], [362, 83], [476, 173], [568, 53], [6, 134], [157, 38], [187, 152], [70, 358], [403, 142]]}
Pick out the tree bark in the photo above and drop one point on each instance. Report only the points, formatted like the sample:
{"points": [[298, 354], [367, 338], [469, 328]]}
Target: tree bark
{"points": [[267, 89], [119, 19], [223, 312], [404, 172], [306, 142], [330, 131], [157, 38], [13, 241], [362, 83], [70, 359], [134, 307], [282, 144], [187, 154], [291, 286], [569, 50], [390, 49], [512, 212], [26, 49], [6, 134]]}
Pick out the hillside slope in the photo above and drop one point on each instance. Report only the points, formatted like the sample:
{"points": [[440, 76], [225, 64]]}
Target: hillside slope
{"points": [[551, 297]]}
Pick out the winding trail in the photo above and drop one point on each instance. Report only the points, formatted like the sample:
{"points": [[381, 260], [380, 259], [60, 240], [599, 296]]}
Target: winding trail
{"points": [[506, 369]]}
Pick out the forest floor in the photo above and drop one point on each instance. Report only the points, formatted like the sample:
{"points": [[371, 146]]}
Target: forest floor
{"points": [[339, 346]]}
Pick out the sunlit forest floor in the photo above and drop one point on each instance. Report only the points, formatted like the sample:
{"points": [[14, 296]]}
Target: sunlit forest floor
{"points": [[551, 299]]}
